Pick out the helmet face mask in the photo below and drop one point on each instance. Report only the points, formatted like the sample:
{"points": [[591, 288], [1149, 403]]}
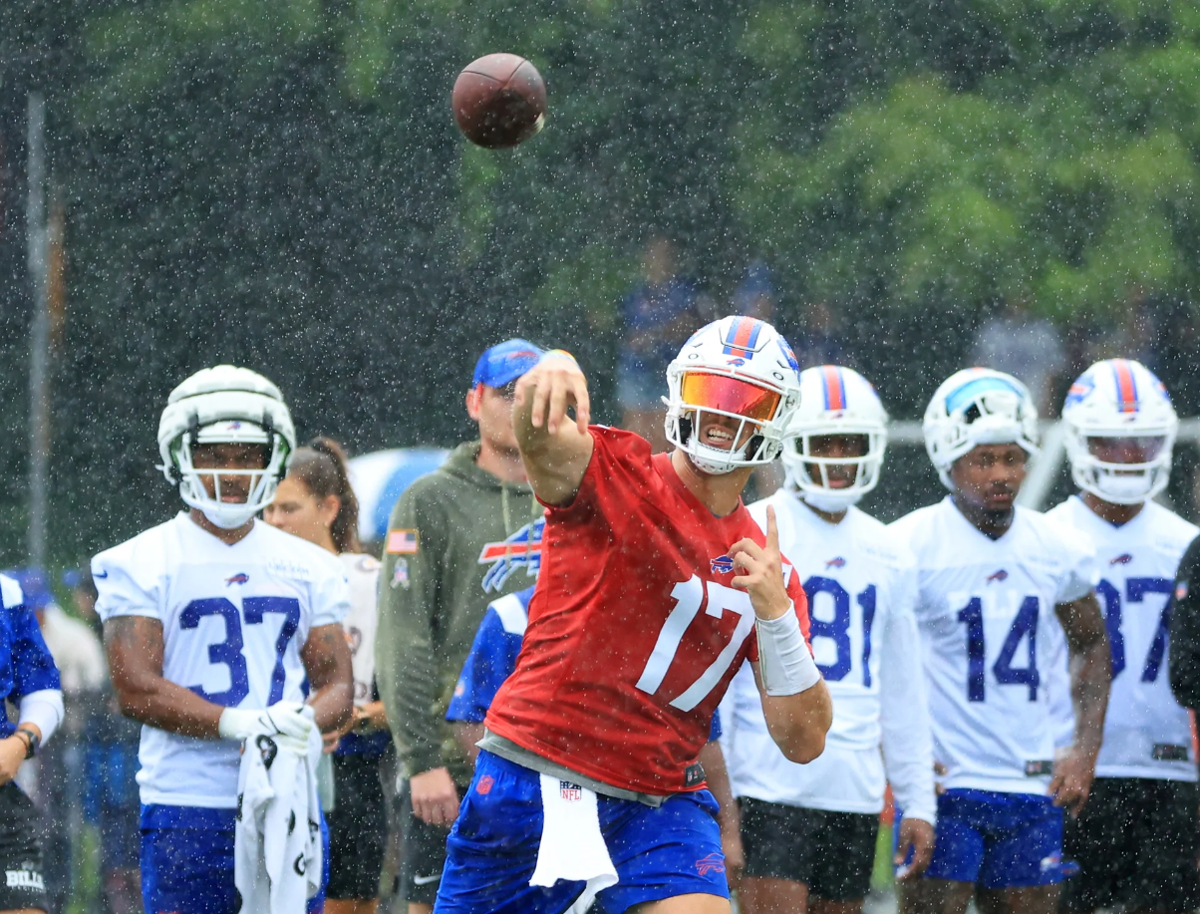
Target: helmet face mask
{"points": [[1121, 430], [216, 408], [838, 410], [731, 390]]}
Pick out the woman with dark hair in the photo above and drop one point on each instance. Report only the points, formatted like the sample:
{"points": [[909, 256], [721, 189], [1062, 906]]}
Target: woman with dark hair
{"points": [[316, 503]]}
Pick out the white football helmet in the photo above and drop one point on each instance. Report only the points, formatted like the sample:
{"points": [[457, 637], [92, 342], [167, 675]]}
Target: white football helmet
{"points": [[834, 401], [737, 367], [223, 405], [1120, 399], [977, 406]]}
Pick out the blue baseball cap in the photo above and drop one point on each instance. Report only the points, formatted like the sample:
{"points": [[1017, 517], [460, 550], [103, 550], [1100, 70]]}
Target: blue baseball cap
{"points": [[34, 586], [505, 362]]}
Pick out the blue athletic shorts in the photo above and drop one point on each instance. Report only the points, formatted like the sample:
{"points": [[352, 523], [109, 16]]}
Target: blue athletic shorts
{"points": [[492, 850], [187, 861], [998, 840]]}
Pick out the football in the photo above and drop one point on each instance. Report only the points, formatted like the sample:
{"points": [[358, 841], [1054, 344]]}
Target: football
{"points": [[499, 101]]}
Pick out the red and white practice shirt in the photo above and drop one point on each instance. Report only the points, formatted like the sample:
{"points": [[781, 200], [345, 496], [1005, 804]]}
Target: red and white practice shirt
{"points": [[635, 630]]}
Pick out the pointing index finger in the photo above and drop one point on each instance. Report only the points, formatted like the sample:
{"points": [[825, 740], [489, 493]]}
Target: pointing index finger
{"points": [[772, 530]]}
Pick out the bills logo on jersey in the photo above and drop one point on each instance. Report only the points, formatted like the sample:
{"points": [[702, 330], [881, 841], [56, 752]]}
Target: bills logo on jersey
{"points": [[722, 564], [713, 863], [736, 363], [997, 576], [836, 562], [240, 578], [522, 549], [1123, 559], [570, 792]]}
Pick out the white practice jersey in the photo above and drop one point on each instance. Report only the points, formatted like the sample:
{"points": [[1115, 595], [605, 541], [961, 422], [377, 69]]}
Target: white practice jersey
{"points": [[234, 620], [986, 613], [362, 571], [1147, 734], [861, 586]]}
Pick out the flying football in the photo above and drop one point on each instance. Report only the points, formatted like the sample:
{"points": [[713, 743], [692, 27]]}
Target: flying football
{"points": [[499, 101]]}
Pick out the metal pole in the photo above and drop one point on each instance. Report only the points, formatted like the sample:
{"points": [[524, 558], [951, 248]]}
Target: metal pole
{"points": [[39, 405]]}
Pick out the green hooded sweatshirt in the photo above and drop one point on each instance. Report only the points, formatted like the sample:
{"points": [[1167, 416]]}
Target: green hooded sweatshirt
{"points": [[431, 599]]}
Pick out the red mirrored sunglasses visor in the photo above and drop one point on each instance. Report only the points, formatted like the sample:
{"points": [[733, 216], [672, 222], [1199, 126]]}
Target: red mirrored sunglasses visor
{"points": [[729, 395]]}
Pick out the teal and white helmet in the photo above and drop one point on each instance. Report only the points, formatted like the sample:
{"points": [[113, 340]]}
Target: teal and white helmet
{"points": [[977, 406], [225, 405]]}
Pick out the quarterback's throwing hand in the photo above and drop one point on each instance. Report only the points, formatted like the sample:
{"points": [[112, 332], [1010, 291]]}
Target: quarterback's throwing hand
{"points": [[760, 572], [552, 386]]}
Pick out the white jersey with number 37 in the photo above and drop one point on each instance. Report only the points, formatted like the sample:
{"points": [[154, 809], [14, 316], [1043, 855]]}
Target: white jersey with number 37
{"points": [[234, 620], [860, 585], [986, 613], [1147, 734]]}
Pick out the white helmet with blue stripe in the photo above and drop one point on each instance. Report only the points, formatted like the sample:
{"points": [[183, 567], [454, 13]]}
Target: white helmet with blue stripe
{"points": [[1119, 408], [977, 406], [834, 401], [741, 369]]}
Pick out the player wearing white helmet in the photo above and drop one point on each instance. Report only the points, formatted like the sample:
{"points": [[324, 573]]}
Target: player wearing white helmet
{"points": [[218, 626], [1137, 840], [810, 831], [656, 585], [996, 583]]}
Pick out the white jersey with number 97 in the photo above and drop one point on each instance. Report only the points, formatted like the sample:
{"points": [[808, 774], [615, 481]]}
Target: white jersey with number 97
{"points": [[234, 620], [986, 614]]}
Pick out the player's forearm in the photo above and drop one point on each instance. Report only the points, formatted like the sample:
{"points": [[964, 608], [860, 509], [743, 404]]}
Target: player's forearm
{"points": [[717, 776], [1090, 679], [166, 705], [798, 723], [327, 662]]}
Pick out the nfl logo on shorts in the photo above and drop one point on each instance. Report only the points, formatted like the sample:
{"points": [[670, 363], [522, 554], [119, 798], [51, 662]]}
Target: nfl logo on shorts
{"points": [[570, 792]]}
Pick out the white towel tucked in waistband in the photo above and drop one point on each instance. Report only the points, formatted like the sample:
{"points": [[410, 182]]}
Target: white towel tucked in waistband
{"points": [[572, 847]]}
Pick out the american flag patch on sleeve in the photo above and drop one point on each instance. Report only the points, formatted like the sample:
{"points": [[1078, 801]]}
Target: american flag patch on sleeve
{"points": [[402, 542]]}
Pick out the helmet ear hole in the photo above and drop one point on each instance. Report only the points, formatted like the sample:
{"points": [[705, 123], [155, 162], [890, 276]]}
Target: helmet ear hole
{"points": [[971, 414]]}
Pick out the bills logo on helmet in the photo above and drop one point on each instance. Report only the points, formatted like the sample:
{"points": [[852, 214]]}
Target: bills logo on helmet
{"points": [[836, 562], [997, 576], [790, 356], [1123, 559], [1079, 391], [522, 549], [722, 564], [240, 578]]}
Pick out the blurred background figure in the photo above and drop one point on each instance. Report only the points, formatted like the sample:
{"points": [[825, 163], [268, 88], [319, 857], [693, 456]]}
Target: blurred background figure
{"points": [[315, 502], [818, 342], [110, 765], [659, 314], [55, 781], [755, 293], [1028, 348]]}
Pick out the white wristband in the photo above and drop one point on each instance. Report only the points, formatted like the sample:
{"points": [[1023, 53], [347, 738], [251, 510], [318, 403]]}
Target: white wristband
{"points": [[237, 723], [784, 663]]}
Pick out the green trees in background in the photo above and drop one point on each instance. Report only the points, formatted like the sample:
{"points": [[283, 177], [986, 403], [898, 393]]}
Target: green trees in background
{"points": [[280, 184]]}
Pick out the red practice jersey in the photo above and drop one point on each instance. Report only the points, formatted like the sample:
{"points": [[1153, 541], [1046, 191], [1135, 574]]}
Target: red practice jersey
{"points": [[634, 630]]}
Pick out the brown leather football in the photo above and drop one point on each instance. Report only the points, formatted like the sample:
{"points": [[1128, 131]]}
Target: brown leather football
{"points": [[499, 101]]}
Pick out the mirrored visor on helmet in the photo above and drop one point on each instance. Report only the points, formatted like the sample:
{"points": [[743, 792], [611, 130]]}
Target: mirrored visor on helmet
{"points": [[1131, 449], [729, 395]]}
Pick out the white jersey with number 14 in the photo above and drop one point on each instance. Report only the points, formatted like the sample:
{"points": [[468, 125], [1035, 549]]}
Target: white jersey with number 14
{"points": [[986, 613]]}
